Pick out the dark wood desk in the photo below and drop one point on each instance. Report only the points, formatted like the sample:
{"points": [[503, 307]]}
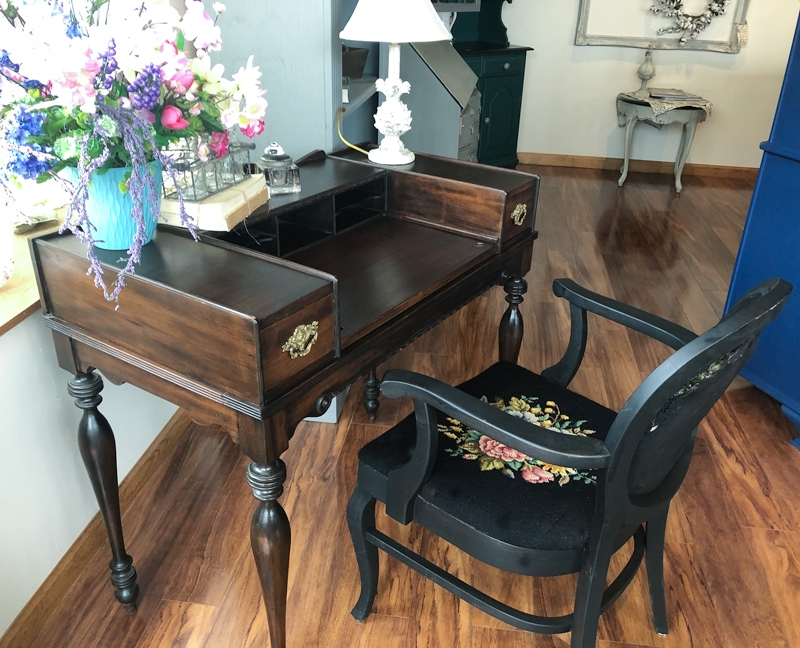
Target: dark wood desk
{"points": [[260, 327]]}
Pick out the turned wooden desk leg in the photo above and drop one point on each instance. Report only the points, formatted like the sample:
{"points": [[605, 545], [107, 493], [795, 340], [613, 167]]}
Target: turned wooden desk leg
{"points": [[271, 539], [372, 389], [511, 326], [99, 452]]}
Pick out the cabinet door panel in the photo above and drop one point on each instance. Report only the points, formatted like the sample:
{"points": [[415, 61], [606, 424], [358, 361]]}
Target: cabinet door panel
{"points": [[502, 98]]}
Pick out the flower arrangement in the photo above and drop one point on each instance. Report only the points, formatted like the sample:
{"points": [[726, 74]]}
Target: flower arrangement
{"points": [[104, 84]]}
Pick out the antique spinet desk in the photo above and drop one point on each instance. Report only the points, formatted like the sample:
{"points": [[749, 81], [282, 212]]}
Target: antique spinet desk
{"points": [[258, 328]]}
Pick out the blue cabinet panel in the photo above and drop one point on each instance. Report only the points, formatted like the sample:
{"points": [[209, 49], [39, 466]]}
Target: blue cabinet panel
{"points": [[770, 247]]}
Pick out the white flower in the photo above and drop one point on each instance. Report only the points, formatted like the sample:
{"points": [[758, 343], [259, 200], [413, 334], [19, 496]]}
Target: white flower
{"points": [[198, 26], [219, 8], [203, 151], [247, 81]]}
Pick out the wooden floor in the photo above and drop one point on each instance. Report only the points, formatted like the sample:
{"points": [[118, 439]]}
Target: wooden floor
{"points": [[733, 551]]}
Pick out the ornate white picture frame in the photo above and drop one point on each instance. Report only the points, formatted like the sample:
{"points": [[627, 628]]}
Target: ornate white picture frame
{"points": [[729, 33]]}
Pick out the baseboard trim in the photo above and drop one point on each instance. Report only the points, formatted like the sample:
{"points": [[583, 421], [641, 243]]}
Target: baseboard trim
{"points": [[33, 616], [643, 166]]}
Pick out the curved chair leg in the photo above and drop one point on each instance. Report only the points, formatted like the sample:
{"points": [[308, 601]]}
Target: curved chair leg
{"points": [[656, 530], [360, 518], [589, 595]]}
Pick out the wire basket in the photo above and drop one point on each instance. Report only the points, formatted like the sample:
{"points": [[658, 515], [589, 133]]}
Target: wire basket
{"points": [[199, 179]]}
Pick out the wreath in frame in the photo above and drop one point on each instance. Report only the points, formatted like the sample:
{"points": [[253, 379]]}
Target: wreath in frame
{"points": [[689, 25]]}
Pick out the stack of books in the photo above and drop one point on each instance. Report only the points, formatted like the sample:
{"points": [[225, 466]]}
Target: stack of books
{"points": [[673, 94], [222, 211]]}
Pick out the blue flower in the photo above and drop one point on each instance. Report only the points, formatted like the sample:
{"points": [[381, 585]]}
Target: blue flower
{"points": [[73, 28], [25, 124]]}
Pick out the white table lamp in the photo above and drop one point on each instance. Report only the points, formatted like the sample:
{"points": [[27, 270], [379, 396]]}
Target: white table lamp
{"points": [[394, 22]]}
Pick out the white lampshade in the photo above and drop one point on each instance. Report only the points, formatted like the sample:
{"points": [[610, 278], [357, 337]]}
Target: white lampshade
{"points": [[395, 21]]}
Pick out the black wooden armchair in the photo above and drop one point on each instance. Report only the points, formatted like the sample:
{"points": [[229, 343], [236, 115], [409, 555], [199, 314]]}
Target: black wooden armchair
{"points": [[561, 495]]}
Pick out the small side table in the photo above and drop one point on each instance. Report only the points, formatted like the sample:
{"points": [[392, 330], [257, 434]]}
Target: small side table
{"points": [[657, 112]]}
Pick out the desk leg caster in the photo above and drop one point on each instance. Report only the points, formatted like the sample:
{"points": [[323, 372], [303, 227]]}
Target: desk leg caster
{"points": [[99, 452], [372, 389], [271, 539], [511, 325]]}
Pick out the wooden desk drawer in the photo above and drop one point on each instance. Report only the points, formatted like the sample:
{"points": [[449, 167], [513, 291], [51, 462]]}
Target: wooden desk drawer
{"points": [[206, 314], [472, 198], [298, 340], [503, 64], [519, 216]]}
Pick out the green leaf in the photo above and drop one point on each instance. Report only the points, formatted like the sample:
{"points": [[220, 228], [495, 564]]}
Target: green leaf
{"points": [[94, 147], [211, 124], [43, 177], [96, 4], [181, 41]]}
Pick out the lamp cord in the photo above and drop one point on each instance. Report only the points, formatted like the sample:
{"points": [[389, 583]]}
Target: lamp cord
{"points": [[341, 137]]}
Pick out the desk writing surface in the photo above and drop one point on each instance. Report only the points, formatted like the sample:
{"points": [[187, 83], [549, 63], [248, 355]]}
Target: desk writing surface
{"points": [[386, 265]]}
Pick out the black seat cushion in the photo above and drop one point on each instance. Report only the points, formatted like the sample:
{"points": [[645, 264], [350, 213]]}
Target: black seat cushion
{"points": [[475, 479]]}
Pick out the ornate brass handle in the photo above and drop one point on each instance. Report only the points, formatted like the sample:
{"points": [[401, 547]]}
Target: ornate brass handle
{"points": [[519, 214], [300, 342]]}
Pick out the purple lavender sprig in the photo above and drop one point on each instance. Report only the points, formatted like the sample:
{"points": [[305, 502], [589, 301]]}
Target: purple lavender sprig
{"points": [[136, 134], [108, 66], [145, 90]]}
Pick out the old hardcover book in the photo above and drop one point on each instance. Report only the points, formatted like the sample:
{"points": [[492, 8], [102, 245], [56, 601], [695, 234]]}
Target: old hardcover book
{"points": [[222, 211]]}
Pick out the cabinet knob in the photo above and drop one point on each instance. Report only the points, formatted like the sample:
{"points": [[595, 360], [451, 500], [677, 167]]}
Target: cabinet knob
{"points": [[485, 120], [506, 66]]}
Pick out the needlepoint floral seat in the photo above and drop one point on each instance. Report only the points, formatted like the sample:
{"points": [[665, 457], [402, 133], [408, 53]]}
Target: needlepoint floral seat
{"points": [[526, 475], [490, 489]]}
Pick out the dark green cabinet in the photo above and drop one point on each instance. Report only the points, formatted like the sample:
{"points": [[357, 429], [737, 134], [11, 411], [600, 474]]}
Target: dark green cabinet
{"points": [[501, 73]]}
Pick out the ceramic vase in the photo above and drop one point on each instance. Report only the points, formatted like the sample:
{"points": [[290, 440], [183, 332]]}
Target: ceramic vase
{"points": [[109, 209]]}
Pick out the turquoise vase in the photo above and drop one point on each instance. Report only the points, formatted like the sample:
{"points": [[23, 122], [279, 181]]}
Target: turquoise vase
{"points": [[109, 209]]}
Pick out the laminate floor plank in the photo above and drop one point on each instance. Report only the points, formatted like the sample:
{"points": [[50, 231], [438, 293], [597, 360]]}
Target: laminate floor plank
{"points": [[177, 624], [732, 554]]}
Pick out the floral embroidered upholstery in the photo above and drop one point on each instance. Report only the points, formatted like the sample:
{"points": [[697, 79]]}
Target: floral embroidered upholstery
{"points": [[553, 505], [493, 455]]}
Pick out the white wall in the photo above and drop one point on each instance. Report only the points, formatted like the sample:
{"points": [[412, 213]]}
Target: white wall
{"points": [[290, 41], [45, 496], [570, 92]]}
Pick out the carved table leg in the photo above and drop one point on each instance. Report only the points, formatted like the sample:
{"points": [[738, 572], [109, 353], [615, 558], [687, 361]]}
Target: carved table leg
{"points": [[629, 126], [99, 453], [271, 539], [371, 392], [511, 326], [688, 137]]}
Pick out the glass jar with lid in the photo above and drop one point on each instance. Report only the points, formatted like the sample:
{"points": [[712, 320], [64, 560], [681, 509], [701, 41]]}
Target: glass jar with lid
{"points": [[281, 173]]}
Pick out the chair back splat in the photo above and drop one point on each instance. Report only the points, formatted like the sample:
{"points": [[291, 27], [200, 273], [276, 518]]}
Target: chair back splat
{"points": [[563, 482]]}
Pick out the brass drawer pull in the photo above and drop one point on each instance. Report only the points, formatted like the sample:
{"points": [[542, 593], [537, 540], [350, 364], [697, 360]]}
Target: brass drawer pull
{"points": [[300, 342], [519, 214]]}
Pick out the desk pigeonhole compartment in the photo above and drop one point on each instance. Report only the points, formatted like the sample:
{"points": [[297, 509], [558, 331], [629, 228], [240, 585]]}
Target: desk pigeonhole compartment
{"points": [[255, 320]]}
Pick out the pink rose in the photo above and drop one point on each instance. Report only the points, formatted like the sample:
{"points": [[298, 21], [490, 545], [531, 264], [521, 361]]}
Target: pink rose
{"points": [[219, 144], [172, 118], [536, 475], [499, 451], [252, 131]]}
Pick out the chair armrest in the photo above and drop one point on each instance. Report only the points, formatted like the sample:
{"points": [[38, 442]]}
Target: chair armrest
{"points": [[546, 445], [581, 301]]}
